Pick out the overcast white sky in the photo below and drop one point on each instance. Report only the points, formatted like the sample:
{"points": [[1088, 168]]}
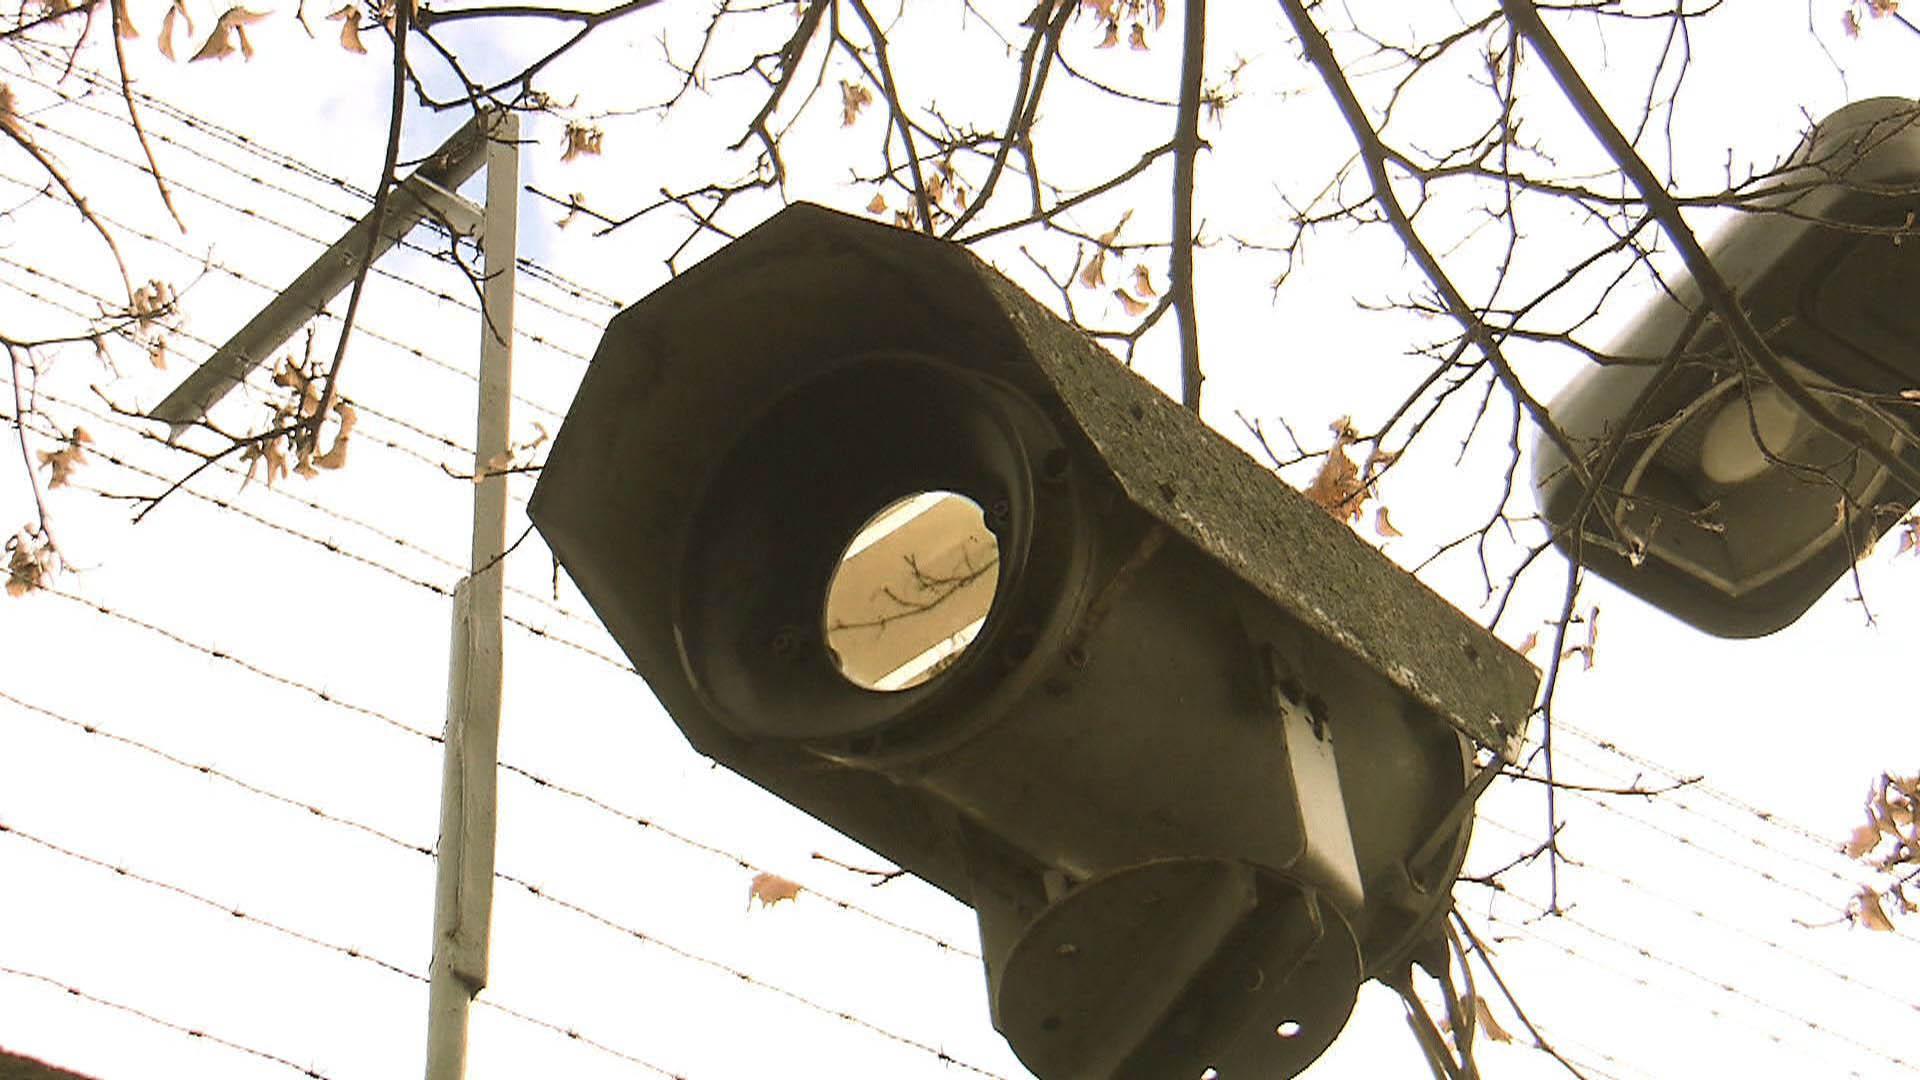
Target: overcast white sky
{"points": [[1684, 952]]}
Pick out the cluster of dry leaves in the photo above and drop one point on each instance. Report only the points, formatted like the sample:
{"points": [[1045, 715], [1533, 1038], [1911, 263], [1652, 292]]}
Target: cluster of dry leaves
{"points": [[152, 308], [854, 98], [1889, 842], [294, 442], [582, 139], [1134, 298], [229, 32], [31, 560], [1873, 8], [69, 457], [947, 195], [1342, 488], [1110, 14]]}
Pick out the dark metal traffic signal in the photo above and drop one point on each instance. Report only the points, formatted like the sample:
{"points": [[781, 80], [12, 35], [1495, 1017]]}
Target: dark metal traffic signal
{"points": [[890, 539], [1728, 506]]}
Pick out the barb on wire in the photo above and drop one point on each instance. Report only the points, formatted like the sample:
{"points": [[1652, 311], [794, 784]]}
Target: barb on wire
{"points": [[649, 825], [486, 1001], [1781, 1018], [203, 900], [189, 1030], [224, 656], [314, 810], [748, 978]]}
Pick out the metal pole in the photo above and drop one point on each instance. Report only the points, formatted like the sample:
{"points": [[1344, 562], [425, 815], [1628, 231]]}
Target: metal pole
{"points": [[463, 885], [425, 194]]}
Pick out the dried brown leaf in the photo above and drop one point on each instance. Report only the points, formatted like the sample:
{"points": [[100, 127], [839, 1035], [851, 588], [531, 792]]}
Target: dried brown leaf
{"points": [[1865, 838], [349, 19], [1094, 274], [1483, 1019], [853, 98], [1383, 526], [582, 140], [176, 13], [229, 31], [64, 461], [1112, 37], [30, 562], [123, 22], [1108, 238], [1137, 38], [1134, 308], [1872, 915], [769, 889], [271, 454], [1337, 487], [336, 455], [878, 205], [1143, 282], [1529, 643]]}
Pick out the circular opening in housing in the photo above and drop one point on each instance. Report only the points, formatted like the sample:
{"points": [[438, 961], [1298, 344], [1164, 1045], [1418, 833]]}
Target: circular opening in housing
{"points": [[911, 591], [1288, 1029]]}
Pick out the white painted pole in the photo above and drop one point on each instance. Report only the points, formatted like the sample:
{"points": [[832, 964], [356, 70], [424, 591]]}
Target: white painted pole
{"points": [[463, 886]]}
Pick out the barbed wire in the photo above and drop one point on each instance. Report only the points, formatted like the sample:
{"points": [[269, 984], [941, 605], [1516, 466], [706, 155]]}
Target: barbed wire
{"points": [[95, 451], [609, 809], [1590, 865], [191, 1031], [282, 492], [650, 825], [1761, 872], [1563, 916], [121, 870], [1562, 1043], [322, 314], [1672, 801], [121, 330], [1715, 852], [1726, 988], [746, 977], [7, 829], [546, 275], [367, 410], [1766, 817], [370, 331], [203, 769], [731, 857], [222, 655], [485, 1001]]}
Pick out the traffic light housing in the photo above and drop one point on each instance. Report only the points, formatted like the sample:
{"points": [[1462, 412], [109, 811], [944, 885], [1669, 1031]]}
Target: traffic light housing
{"points": [[1733, 533], [1199, 758]]}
